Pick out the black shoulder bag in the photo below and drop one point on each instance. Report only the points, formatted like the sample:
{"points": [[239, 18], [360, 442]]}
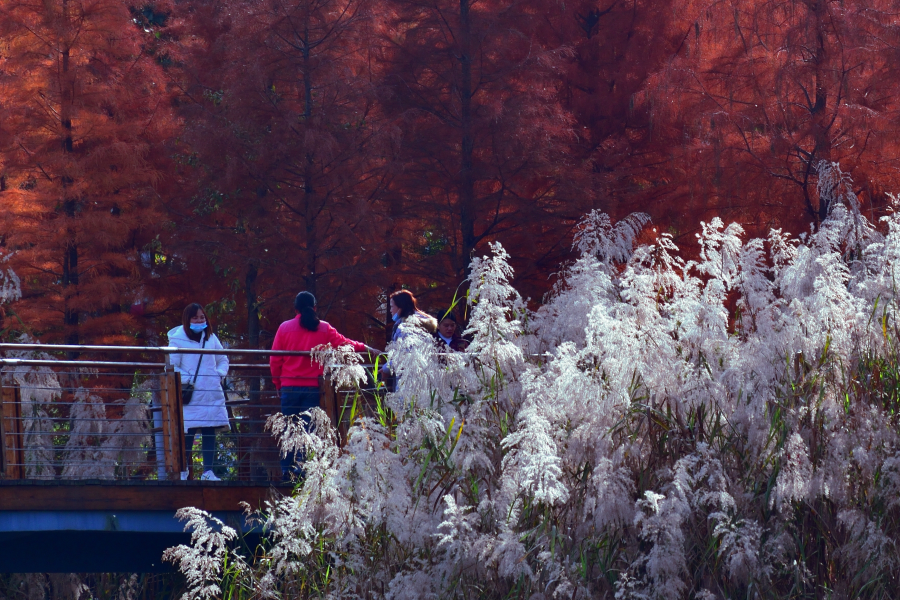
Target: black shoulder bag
{"points": [[187, 391]]}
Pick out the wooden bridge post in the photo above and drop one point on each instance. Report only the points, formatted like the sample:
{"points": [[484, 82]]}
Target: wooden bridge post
{"points": [[328, 400], [11, 444], [333, 402], [172, 423]]}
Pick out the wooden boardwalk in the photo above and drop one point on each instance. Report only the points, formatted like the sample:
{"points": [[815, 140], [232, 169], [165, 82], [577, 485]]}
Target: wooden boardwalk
{"points": [[212, 496], [91, 455], [111, 526]]}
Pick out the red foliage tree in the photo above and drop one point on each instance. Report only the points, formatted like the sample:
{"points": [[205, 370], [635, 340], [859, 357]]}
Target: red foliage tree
{"points": [[757, 94], [482, 141], [351, 146], [84, 114], [617, 47], [278, 138]]}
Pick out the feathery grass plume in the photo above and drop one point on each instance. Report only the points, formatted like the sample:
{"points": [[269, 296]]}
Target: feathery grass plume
{"points": [[596, 236], [32, 586], [343, 366], [497, 312], [128, 588], [67, 586], [39, 388], [659, 428], [10, 285], [85, 457], [586, 283], [660, 571], [203, 561], [129, 436]]}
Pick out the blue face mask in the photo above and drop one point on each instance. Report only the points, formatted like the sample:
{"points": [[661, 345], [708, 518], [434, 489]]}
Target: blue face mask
{"points": [[396, 317], [198, 326]]}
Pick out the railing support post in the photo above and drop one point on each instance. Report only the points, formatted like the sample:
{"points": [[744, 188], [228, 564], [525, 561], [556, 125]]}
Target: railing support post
{"points": [[11, 447], [333, 402], [172, 429], [158, 436], [328, 400]]}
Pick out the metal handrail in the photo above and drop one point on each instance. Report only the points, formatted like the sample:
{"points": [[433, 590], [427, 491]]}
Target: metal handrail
{"points": [[156, 349], [164, 424], [12, 362]]}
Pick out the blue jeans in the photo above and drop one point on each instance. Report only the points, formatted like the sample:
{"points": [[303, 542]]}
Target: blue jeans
{"points": [[295, 400]]}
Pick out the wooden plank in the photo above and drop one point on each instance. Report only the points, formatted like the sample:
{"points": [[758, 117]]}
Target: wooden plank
{"points": [[166, 390], [328, 400], [11, 432], [132, 497], [343, 406], [180, 454], [172, 424], [18, 435], [165, 418], [3, 443]]}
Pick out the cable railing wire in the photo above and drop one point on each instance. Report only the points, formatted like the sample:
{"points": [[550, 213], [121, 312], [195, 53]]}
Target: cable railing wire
{"points": [[155, 350], [102, 419]]}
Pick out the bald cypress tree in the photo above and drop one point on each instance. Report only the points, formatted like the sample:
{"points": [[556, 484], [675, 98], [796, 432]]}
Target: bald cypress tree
{"points": [[84, 113]]}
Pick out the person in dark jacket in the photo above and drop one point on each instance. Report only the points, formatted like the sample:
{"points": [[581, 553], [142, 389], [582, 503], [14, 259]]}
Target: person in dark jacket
{"points": [[448, 333]]}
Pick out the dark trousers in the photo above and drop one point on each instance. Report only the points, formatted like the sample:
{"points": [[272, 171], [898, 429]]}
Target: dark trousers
{"points": [[207, 445], [295, 400]]}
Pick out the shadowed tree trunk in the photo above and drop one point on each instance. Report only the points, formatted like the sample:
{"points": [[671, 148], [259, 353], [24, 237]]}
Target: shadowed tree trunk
{"points": [[467, 145]]}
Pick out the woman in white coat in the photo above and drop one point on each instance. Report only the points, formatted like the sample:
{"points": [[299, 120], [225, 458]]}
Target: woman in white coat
{"points": [[206, 411]]}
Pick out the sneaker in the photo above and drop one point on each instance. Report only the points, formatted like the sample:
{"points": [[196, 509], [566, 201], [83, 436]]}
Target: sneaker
{"points": [[184, 475], [209, 476]]}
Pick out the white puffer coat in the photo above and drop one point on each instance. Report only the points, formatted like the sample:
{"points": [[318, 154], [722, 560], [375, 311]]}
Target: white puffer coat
{"points": [[207, 407]]}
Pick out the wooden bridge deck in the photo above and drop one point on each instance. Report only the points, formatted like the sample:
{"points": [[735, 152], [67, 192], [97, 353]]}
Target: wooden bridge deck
{"points": [[55, 518], [212, 496], [111, 526]]}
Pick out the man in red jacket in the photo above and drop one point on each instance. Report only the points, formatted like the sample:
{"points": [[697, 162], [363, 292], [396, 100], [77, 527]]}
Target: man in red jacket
{"points": [[297, 377]]}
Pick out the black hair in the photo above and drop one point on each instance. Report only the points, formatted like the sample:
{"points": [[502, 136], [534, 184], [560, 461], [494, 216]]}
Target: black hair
{"points": [[305, 305], [446, 314]]}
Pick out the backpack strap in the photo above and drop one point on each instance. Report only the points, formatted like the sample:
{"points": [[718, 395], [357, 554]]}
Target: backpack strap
{"points": [[199, 360]]}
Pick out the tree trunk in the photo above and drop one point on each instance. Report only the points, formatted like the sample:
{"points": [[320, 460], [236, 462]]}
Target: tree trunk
{"points": [[70, 273], [254, 455], [466, 174], [70, 278], [393, 258], [252, 306], [821, 138], [311, 276]]}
